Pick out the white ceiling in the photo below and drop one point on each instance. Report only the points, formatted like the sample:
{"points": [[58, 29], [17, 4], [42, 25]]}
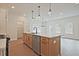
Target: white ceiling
{"points": [[59, 10]]}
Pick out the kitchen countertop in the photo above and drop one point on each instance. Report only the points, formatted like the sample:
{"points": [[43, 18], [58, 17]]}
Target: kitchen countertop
{"points": [[74, 37], [45, 35], [49, 36]]}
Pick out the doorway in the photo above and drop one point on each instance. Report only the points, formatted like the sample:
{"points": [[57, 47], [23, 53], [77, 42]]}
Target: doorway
{"points": [[20, 27]]}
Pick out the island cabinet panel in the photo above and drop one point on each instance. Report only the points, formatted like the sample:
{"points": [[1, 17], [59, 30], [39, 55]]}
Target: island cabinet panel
{"points": [[44, 46], [54, 46], [29, 40], [24, 38]]}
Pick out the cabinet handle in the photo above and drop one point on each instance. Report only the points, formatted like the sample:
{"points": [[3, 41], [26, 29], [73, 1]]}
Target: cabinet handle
{"points": [[54, 41]]}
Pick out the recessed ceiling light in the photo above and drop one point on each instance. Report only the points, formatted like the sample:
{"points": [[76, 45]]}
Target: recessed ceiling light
{"points": [[12, 7]]}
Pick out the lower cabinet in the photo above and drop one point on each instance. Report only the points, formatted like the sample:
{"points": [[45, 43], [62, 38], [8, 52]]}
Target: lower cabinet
{"points": [[44, 46], [50, 46], [54, 46], [29, 40], [24, 38]]}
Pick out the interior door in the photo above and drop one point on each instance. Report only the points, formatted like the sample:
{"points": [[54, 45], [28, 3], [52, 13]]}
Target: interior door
{"points": [[20, 28]]}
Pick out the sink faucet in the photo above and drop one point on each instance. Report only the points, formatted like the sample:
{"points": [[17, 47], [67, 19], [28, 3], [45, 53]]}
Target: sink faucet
{"points": [[35, 28]]}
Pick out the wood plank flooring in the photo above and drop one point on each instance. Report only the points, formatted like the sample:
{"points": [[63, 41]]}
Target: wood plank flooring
{"points": [[17, 48]]}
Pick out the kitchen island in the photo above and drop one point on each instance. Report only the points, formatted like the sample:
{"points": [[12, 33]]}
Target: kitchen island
{"points": [[42, 44]]}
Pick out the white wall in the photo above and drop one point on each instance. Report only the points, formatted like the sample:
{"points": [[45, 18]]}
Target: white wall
{"points": [[49, 28], [8, 23], [12, 28], [63, 22], [3, 21]]}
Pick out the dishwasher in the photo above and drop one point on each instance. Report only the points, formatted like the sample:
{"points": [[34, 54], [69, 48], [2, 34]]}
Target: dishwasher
{"points": [[36, 44]]}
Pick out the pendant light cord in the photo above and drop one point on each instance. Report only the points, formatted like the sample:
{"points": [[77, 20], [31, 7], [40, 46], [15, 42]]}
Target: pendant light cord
{"points": [[50, 7], [38, 10], [32, 14]]}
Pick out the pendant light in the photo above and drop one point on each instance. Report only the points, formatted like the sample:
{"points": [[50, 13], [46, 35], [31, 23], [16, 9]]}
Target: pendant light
{"points": [[50, 10], [32, 14], [38, 15], [38, 11]]}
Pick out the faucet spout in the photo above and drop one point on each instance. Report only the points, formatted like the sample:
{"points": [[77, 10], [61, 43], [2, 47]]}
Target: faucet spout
{"points": [[35, 28]]}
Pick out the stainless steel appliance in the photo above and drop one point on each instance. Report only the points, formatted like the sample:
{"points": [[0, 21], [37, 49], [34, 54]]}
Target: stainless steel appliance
{"points": [[36, 44]]}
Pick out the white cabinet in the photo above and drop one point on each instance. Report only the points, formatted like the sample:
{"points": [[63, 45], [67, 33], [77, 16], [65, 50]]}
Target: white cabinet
{"points": [[69, 47]]}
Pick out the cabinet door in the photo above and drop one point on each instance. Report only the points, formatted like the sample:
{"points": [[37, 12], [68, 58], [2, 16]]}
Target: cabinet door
{"points": [[24, 38], [30, 40], [54, 46], [56, 43], [27, 39], [44, 46]]}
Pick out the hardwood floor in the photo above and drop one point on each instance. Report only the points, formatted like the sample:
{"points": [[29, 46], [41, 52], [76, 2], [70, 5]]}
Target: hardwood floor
{"points": [[17, 48]]}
